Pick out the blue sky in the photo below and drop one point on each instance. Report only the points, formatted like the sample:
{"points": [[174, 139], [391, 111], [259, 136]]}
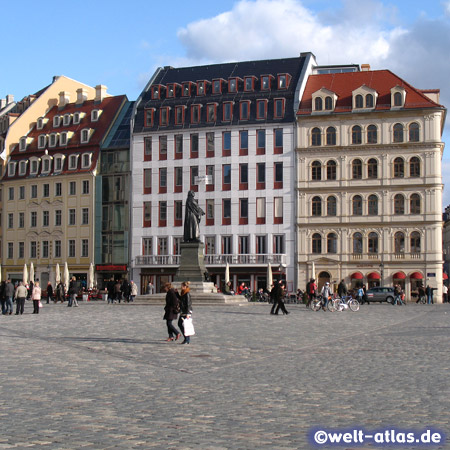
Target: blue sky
{"points": [[120, 44]]}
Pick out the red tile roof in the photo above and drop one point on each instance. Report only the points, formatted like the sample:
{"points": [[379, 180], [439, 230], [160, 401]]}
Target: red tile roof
{"points": [[343, 84]]}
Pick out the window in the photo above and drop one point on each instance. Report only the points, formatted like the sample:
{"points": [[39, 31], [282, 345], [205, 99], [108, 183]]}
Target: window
{"points": [[45, 165], [149, 117], [76, 118], [210, 211], [85, 187], [316, 171], [278, 141], [34, 167], [170, 90], [265, 83], [40, 123], [147, 246], [178, 213], [226, 177], [399, 204], [194, 145], [278, 175], [331, 136], [11, 193], [414, 167], [34, 191], [217, 86], [372, 205], [201, 88], [260, 142], [21, 192], [414, 132], [227, 247], [243, 245], [282, 81], [399, 168], [227, 112], [226, 215], [331, 170], [357, 243], [357, 205], [178, 146], [260, 211], [56, 121], [73, 162], [243, 176], [45, 249], [22, 144], [85, 216], [243, 211], [46, 190], [356, 134], [195, 114], [316, 206], [279, 108], [58, 218], [328, 103], [162, 180], [331, 243], [226, 143], [10, 220], [261, 176], [86, 160], [357, 169], [11, 169], [232, 85], [414, 204], [210, 145], [73, 188], [10, 250], [85, 136], [243, 143], [147, 214], [398, 132], [359, 101], [244, 109], [84, 248], [278, 210], [398, 99], [95, 114], [72, 216], [22, 168], [261, 109], [71, 248], [21, 250], [316, 243], [210, 245], [58, 189], [33, 219], [179, 114], [399, 242], [316, 137], [331, 206], [194, 175], [318, 104], [162, 148], [369, 101], [261, 246], [33, 249], [211, 115], [45, 218], [373, 242], [248, 84], [42, 141], [155, 92], [148, 148], [162, 214], [57, 249], [415, 242], [372, 134], [372, 168]]}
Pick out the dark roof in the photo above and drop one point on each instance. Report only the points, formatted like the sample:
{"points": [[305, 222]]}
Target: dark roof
{"points": [[119, 136], [168, 75]]}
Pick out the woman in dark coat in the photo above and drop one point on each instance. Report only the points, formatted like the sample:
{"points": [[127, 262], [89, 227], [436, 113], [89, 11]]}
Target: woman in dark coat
{"points": [[171, 312], [185, 309]]}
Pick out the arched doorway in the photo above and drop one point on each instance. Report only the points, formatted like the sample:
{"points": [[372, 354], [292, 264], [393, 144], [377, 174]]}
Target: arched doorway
{"points": [[323, 278]]}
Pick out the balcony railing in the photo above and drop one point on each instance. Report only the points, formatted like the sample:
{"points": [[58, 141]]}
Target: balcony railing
{"points": [[158, 260]]}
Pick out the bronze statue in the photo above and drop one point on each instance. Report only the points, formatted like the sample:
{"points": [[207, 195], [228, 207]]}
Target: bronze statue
{"points": [[192, 216]]}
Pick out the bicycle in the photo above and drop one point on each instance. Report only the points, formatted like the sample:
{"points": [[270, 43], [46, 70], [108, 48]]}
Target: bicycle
{"points": [[343, 303]]}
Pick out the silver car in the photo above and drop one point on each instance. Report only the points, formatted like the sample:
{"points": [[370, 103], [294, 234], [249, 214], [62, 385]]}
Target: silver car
{"points": [[380, 294]]}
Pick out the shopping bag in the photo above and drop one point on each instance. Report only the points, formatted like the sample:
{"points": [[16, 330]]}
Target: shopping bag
{"points": [[40, 304], [188, 327]]}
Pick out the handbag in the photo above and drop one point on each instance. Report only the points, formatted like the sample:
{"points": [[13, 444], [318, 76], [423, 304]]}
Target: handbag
{"points": [[40, 304], [188, 327]]}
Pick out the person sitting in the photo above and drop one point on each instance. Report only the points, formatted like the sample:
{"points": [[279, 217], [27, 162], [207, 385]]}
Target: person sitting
{"points": [[242, 289], [227, 290]]}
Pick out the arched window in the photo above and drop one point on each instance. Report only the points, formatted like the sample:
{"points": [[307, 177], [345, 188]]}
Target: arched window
{"points": [[316, 171], [414, 167], [399, 242], [414, 204], [357, 243], [369, 101], [357, 205], [331, 136], [398, 132], [318, 104], [372, 168], [316, 243], [373, 242], [415, 242], [399, 168], [399, 204], [332, 243], [414, 131], [316, 206], [357, 169], [331, 206], [331, 170], [372, 205], [359, 101], [398, 99], [372, 134], [328, 103], [356, 135], [316, 137]]}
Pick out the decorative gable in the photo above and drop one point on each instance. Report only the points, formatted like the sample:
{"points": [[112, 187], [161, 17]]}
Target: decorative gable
{"points": [[364, 98], [398, 97], [324, 100]]}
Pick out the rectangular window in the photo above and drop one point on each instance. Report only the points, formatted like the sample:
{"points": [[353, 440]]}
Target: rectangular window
{"points": [[147, 214], [261, 245], [217, 86], [227, 247], [261, 109], [84, 248], [149, 117], [226, 143], [58, 218], [261, 142], [265, 83], [57, 249], [227, 112], [194, 145], [147, 246], [71, 248], [177, 246], [210, 145], [162, 214], [243, 211], [226, 177], [178, 213], [33, 249], [85, 216], [232, 85], [278, 112], [178, 146], [85, 187], [163, 148], [201, 88], [73, 188], [147, 181], [226, 214], [21, 220], [34, 191], [11, 193], [243, 143], [179, 115], [21, 250], [163, 180], [211, 114], [278, 244], [278, 141], [46, 190], [186, 89], [21, 192], [72, 216], [260, 211], [45, 249], [163, 248], [195, 114], [248, 84], [58, 189], [148, 148], [211, 181], [178, 179], [244, 246], [210, 245], [210, 211], [244, 110], [10, 250], [243, 176], [278, 175], [193, 180], [278, 210], [33, 219], [260, 176], [10, 220], [45, 218]]}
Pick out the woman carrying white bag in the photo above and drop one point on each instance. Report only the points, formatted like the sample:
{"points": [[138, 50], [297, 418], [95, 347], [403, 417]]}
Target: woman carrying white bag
{"points": [[185, 321]]}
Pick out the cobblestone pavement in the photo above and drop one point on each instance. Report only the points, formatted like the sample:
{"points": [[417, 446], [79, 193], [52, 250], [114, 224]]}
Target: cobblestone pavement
{"points": [[103, 377]]}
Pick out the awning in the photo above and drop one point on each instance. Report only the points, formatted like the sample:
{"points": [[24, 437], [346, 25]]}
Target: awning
{"points": [[399, 276], [374, 276], [445, 276], [416, 276], [356, 276]]}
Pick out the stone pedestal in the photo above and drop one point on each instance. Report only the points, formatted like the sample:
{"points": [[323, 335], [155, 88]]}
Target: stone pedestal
{"points": [[192, 264]]}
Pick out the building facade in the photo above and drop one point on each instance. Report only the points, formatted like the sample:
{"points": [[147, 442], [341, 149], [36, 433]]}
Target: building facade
{"points": [[369, 183], [226, 132]]}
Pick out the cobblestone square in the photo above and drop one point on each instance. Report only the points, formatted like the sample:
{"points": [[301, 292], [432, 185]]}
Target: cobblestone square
{"points": [[103, 377]]}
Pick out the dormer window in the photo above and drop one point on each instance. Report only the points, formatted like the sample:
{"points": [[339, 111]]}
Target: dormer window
{"points": [[40, 123], [265, 82], [53, 140], [398, 97], [217, 86], [249, 84], [201, 87], [278, 111], [186, 89], [328, 103], [66, 119], [95, 114], [318, 104], [34, 166], [73, 162], [171, 90], [46, 165], [195, 113], [179, 114], [85, 135], [227, 112], [11, 169], [22, 168], [86, 160], [323, 100], [76, 118], [42, 141], [149, 117], [244, 110], [283, 81], [63, 138], [364, 98], [164, 116], [23, 144], [232, 85], [211, 112], [56, 121], [359, 101], [58, 162], [156, 93], [261, 109], [369, 101]]}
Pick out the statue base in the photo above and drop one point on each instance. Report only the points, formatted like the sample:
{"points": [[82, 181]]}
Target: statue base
{"points": [[192, 266]]}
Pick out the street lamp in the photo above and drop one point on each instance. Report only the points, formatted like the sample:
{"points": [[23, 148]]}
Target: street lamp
{"points": [[382, 273]]}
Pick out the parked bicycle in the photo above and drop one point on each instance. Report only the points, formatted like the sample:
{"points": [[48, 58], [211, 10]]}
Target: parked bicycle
{"points": [[344, 303]]}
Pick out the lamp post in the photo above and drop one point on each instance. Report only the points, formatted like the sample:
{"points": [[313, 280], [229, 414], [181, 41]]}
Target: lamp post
{"points": [[382, 273]]}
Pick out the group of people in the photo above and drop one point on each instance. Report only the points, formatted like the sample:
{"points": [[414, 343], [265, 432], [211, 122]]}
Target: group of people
{"points": [[119, 290], [18, 294], [241, 290], [178, 306], [276, 295]]}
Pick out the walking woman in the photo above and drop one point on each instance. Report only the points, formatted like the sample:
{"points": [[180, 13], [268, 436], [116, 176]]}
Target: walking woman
{"points": [[185, 309], [36, 297], [171, 309]]}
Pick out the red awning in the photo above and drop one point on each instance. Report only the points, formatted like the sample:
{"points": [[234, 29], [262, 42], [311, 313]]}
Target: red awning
{"points": [[374, 276], [399, 276], [356, 276], [416, 276], [445, 276]]}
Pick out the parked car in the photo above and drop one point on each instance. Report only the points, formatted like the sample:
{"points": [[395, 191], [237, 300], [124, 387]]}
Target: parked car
{"points": [[380, 294]]}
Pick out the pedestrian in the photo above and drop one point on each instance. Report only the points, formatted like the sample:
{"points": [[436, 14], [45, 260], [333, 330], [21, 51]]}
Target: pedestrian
{"points": [[326, 295], [49, 292], [311, 289], [342, 289], [429, 292], [117, 291], [364, 299], [445, 293], [149, 288], [277, 296], [36, 297], [60, 292], [134, 291], [73, 292], [9, 294], [2, 296], [172, 308], [398, 293], [110, 286], [185, 309], [126, 290], [20, 296], [422, 297]]}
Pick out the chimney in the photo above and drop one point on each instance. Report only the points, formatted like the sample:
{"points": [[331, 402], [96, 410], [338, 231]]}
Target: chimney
{"points": [[100, 93], [82, 96], [64, 99], [2, 103], [365, 67]]}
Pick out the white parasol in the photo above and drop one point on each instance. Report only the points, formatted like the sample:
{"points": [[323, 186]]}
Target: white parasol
{"points": [[227, 274], [91, 277], [58, 274], [31, 273], [269, 277], [66, 277], [25, 274]]}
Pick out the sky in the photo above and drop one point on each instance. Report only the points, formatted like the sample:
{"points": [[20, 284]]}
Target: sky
{"points": [[121, 44]]}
